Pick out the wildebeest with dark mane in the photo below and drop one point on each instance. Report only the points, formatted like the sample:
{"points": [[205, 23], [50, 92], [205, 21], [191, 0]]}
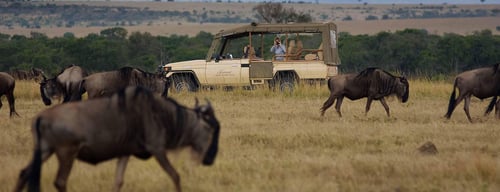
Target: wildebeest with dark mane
{"points": [[33, 74], [372, 83], [481, 83], [109, 82], [7, 85], [66, 84], [133, 122]]}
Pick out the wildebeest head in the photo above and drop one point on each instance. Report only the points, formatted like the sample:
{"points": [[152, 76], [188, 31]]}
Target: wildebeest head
{"points": [[403, 89], [206, 140], [37, 74], [50, 89], [158, 83]]}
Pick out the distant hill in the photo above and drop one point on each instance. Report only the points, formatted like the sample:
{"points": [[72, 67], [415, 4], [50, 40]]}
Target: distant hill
{"points": [[192, 17]]}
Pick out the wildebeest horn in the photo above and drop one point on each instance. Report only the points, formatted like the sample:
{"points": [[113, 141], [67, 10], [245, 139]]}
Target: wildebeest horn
{"points": [[208, 103]]}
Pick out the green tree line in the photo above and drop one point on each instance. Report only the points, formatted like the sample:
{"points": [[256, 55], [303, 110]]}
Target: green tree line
{"points": [[415, 52], [412, 52]]}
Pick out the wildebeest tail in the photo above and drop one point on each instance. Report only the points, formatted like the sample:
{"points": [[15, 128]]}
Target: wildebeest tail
{"points": [[329, 86], [451, 104], [36, 165]]}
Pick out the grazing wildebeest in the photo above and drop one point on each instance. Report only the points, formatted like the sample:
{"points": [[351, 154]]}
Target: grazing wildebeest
{"points": [[131, 122], [7, 85], [19, 74], [481, 83], [65, 84], [109, 82], [34, 74], [372, 83]]}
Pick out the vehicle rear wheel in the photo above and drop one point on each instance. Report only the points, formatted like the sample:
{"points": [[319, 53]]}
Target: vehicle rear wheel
{"points": [[287, 85], [184, 84]]}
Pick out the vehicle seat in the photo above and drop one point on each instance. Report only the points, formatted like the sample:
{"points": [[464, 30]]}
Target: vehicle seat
{"points": [[320, 52], [291, 46]]}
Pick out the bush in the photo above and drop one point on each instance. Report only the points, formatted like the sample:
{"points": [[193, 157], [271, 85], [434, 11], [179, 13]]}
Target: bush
{"points": [[371, 17]]}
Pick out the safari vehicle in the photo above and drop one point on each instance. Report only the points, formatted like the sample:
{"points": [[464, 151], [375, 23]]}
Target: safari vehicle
{"points": [[241, 57]]}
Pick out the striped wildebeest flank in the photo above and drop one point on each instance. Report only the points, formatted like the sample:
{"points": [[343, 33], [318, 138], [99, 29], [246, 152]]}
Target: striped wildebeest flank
{"points": [[66, 85], [109, 82], [481, 83], [7, 85], [372, 83], [132, 122]]}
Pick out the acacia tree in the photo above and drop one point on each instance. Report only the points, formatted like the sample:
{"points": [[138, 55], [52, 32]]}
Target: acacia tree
{"points": [[276, 13]]}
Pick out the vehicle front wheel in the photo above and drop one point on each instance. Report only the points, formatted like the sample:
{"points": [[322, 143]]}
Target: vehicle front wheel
{"points": [[184, 84]]}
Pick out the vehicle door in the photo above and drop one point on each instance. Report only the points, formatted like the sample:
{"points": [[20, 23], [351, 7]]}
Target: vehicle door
{"points": [[223, 72]]}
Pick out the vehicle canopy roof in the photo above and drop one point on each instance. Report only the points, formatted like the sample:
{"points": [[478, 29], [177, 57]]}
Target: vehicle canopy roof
{"points": [[276, 28]]}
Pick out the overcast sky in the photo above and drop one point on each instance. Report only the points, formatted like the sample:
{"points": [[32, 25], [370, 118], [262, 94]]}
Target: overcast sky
{"points": [[367, 1]]}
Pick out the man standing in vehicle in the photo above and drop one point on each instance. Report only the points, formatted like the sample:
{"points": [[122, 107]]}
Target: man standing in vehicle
{"points": [[278, 49]]}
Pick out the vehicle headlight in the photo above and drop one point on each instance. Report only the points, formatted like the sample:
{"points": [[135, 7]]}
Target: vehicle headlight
{"points": [[168, 68]]}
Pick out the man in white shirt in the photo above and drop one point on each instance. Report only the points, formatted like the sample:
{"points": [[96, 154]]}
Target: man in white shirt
{"points": [[278, 49]]}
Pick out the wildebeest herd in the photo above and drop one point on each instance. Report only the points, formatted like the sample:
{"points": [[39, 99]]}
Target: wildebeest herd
{"points": [[128, 113]]}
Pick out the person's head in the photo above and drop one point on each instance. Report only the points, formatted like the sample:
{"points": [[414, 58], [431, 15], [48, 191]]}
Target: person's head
{"points": [[277, 40]]}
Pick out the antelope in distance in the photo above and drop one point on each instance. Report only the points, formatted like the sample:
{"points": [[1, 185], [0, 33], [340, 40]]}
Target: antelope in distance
{"points": [[109, 82], [66, 84], [372, 83], [7, 85], [131, 122], [481, 83]]}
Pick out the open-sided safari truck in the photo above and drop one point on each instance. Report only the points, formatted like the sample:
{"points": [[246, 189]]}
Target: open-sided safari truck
{"points": [[242, 57]]}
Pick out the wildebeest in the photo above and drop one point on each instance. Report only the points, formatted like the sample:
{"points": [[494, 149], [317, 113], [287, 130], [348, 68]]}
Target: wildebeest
{"points": [[109, 82], [131, 122], [65, 84], [373, 83], [7, 85], [481, 83], [34, 73]]}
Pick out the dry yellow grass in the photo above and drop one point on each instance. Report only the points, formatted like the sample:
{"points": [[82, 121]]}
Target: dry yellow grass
{"points": [[275, 142]]}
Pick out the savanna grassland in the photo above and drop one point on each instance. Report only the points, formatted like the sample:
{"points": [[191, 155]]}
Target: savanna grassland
{"points": [[278, 142]]}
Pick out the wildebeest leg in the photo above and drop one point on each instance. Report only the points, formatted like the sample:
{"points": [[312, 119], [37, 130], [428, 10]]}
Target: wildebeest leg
{"points": [[497, 109], [120, 171], [454, 105], [10, 98], [338, 104], [490, 106], [386, 107], [328, 103], [165, 164], [466, 108], [66, 156], [26, 172], [368, 104]]}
